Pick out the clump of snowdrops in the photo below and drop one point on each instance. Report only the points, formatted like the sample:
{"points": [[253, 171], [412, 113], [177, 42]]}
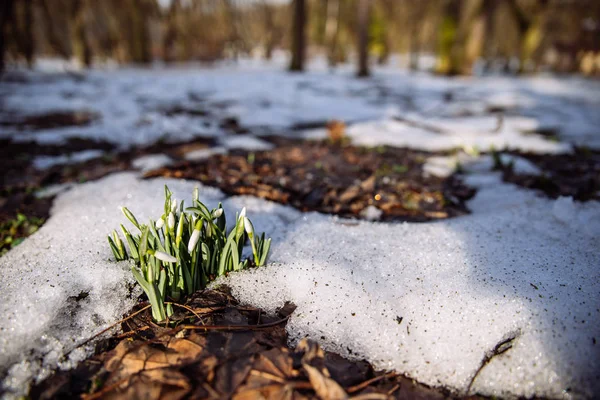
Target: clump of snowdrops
{"points": [[185, 249]]}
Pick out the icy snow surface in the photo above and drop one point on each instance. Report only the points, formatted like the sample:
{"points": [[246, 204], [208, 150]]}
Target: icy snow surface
{"points": [[67, 257], [429, 300], [141, 106]]}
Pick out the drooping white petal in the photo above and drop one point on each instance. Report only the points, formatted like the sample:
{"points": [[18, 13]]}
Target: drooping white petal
{"points": [[248, 227], [217, 213], [160, 223], [171, 221], [193, 240], [165, 257]]}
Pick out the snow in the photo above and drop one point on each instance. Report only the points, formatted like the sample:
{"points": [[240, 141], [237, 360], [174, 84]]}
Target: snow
{"points": [[66, 257], [246, 142], [151, 161], [134, 106], [203, 154], [45, 162], [516, 267], [520, 266], [428, 300]]}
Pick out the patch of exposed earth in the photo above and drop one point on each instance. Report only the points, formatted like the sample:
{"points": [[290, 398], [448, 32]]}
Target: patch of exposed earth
{"points": [[214, 347]]}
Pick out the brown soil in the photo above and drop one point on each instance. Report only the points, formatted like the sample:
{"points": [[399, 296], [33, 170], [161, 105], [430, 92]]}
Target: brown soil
{"points": [[576, 175], [333, 178], [57, 119], [216, 348]]}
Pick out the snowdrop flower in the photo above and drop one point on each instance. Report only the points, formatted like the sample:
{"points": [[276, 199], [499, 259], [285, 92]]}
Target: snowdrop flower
{"points": [[243, 213], [248, 227], [160, 223], [173, 205], [217, 213], [171, 221], [165, 257], [193, 240], [179, 232], [130, 216], [195, 194]]}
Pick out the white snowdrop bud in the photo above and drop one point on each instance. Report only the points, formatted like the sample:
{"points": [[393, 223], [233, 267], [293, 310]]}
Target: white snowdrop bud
{"points": [[195, 194], [248, 227], [165, 257], [243, 213], [173, 205], [160, 223], [217, 213], [193, 240], [171, 221]]}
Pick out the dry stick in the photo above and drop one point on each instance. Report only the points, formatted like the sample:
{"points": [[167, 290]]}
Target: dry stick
{"points": [[361, 386], [107, 329], [187, 308], [232, 327], [392, 390], [370, 396], [106, 389]]}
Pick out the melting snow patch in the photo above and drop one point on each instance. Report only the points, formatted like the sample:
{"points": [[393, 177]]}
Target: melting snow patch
{"points": [[45, 162], [434, 300], [245, 142], [44, 314], [429, 300], [151, 161]]}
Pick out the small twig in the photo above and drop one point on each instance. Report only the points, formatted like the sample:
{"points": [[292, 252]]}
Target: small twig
{"points": [[132, 332], [371, 396], [106, 330], [392, 390], [233, 327], [361, 386], [500, 348], [187, 308], [106, 389]]}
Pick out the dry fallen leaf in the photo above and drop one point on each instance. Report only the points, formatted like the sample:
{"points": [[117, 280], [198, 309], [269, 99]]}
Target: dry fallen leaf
{"points": [[326, 388]]}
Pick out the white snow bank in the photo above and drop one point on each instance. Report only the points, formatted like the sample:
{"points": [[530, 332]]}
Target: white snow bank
{"points": [[428, 300], [432, 300], [401, 134], [67, 257], [151, 161], [141, 106], [45, 162]]}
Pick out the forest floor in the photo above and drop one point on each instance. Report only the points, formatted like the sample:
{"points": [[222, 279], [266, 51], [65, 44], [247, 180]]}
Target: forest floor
{"points": [[351, 160]]}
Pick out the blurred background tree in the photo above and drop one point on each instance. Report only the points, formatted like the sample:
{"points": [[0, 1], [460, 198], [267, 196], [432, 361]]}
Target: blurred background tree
{"points": [[448, 36]]}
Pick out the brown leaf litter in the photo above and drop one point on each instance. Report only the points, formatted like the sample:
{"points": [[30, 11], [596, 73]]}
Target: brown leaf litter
{"points": [[215, 348], [334, 178]]}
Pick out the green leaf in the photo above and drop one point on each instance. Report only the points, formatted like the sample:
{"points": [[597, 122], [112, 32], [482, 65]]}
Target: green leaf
{"points": [[130, 217]]}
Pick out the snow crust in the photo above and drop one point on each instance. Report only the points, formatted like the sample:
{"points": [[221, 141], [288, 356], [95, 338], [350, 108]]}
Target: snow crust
{"points": [[433, 300], [66, 258], [141, 106], [429, 300], [45, 162]]}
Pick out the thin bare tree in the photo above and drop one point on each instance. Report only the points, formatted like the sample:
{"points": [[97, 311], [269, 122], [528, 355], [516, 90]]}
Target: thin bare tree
{"points": [[298, 35], [363, 37]]}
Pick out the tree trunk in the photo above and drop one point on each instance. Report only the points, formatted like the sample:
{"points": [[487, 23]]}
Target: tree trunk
{"points": [[363, 38], [6, 11], [52, 35], [298, 36], [28, 44], [447, 63], [269, 22], [414, 48], [332, 28], [80, 44]]}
